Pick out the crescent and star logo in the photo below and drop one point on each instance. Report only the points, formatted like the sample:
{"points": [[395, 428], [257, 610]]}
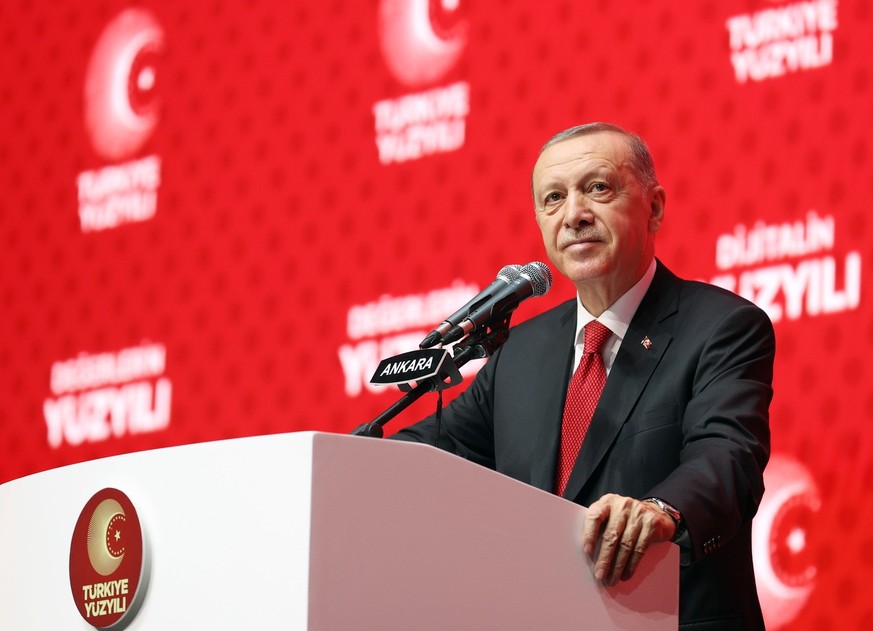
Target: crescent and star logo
{"points": [[420, 44], [121, 109], [106, 560], [785, 568]]}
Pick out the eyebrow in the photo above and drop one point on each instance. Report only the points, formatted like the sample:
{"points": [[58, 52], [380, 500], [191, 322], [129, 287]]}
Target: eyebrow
{"points": [[603, 171]]}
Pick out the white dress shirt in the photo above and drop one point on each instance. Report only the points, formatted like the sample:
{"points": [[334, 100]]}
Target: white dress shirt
{"points": [[616, 318]]}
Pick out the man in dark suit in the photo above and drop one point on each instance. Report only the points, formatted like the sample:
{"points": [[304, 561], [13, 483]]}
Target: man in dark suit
{"points": [[677, 444]]}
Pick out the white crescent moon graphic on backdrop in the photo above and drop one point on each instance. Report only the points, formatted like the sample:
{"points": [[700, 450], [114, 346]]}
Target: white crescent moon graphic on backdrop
{"points": [[790, 487], [413, 51], [116, 129], [104, 561]]}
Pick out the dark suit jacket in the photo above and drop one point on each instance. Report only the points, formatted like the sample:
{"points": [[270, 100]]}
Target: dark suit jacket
{"points": [[685, 420]]}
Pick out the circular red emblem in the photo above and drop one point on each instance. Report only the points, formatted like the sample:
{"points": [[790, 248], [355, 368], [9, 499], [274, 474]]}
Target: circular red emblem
{"points": [[121, 109], [106, 559]]}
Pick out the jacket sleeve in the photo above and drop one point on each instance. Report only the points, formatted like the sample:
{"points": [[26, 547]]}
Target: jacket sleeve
{"points": [[725, 433]]}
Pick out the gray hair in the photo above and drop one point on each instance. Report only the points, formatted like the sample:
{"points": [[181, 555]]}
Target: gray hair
{"points": [[642, 163]]}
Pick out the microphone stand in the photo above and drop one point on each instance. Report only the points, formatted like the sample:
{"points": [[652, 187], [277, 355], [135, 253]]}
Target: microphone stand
{"points": [[477, 345]]}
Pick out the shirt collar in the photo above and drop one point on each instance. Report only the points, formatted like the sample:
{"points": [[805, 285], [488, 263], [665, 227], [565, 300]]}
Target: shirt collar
{"points": [[618, 316]]}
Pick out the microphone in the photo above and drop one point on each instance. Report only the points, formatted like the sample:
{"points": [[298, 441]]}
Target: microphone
{"points": [[505, 276], [535, 279]]}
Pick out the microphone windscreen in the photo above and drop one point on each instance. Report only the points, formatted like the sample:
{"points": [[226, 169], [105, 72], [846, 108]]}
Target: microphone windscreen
{"points": [[509, 273], [540, 276]]}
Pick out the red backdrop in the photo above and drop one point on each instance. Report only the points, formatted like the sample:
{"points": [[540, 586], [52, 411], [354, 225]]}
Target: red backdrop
{"points": [[217, 217]]}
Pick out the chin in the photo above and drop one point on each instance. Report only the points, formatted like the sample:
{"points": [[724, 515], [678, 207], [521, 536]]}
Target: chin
{"points": [[583, 271]]}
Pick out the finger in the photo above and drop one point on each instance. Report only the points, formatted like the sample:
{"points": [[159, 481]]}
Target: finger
{"points": [[650, 532], [626, 551], [639, 550], [597, 513], [610, 542]]}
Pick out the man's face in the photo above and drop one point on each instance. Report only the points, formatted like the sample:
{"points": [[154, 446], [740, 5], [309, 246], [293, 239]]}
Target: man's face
{"points": [[597, 222]]}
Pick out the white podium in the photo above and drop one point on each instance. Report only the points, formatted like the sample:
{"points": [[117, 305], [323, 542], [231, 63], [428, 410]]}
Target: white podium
{"points": [[327, 532]]}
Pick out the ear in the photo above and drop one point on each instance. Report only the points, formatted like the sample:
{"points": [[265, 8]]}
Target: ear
{"points": [[657, 202]]}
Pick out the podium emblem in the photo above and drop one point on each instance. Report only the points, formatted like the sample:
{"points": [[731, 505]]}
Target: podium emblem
{"points": [[107, 555]]}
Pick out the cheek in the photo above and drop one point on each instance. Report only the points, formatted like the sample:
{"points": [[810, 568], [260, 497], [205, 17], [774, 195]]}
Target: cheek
{"points": [[549, 225], [627, 230], [545, 226]]}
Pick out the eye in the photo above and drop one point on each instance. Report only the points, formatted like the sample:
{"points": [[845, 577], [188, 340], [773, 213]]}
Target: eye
{"points": [[551, 202], [553, 197], [598, 187]]}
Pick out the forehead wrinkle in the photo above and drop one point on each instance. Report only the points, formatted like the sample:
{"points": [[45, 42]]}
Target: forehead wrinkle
{"points": [[598, 145]]}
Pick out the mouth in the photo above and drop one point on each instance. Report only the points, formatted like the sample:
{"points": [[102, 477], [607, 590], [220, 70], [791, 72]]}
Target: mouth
{"points": [[578, 243]]}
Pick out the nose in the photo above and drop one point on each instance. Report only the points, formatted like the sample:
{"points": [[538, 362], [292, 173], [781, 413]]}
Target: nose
{"points": [[577, 211]]}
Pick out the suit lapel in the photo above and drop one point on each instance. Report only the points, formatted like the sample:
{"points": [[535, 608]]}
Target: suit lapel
{"points": [[629, 375], [559, 348]]}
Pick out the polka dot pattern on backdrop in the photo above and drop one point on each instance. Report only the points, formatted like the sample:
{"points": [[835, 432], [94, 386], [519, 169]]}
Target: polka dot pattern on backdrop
{"points": [[275, 217]]}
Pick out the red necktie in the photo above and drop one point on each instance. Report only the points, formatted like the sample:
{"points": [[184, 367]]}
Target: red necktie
{"points": [[582, 396]]}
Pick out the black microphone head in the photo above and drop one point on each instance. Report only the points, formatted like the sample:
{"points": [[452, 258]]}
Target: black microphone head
{"points": [[505, 277], [540, 277], [535, 279]]}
